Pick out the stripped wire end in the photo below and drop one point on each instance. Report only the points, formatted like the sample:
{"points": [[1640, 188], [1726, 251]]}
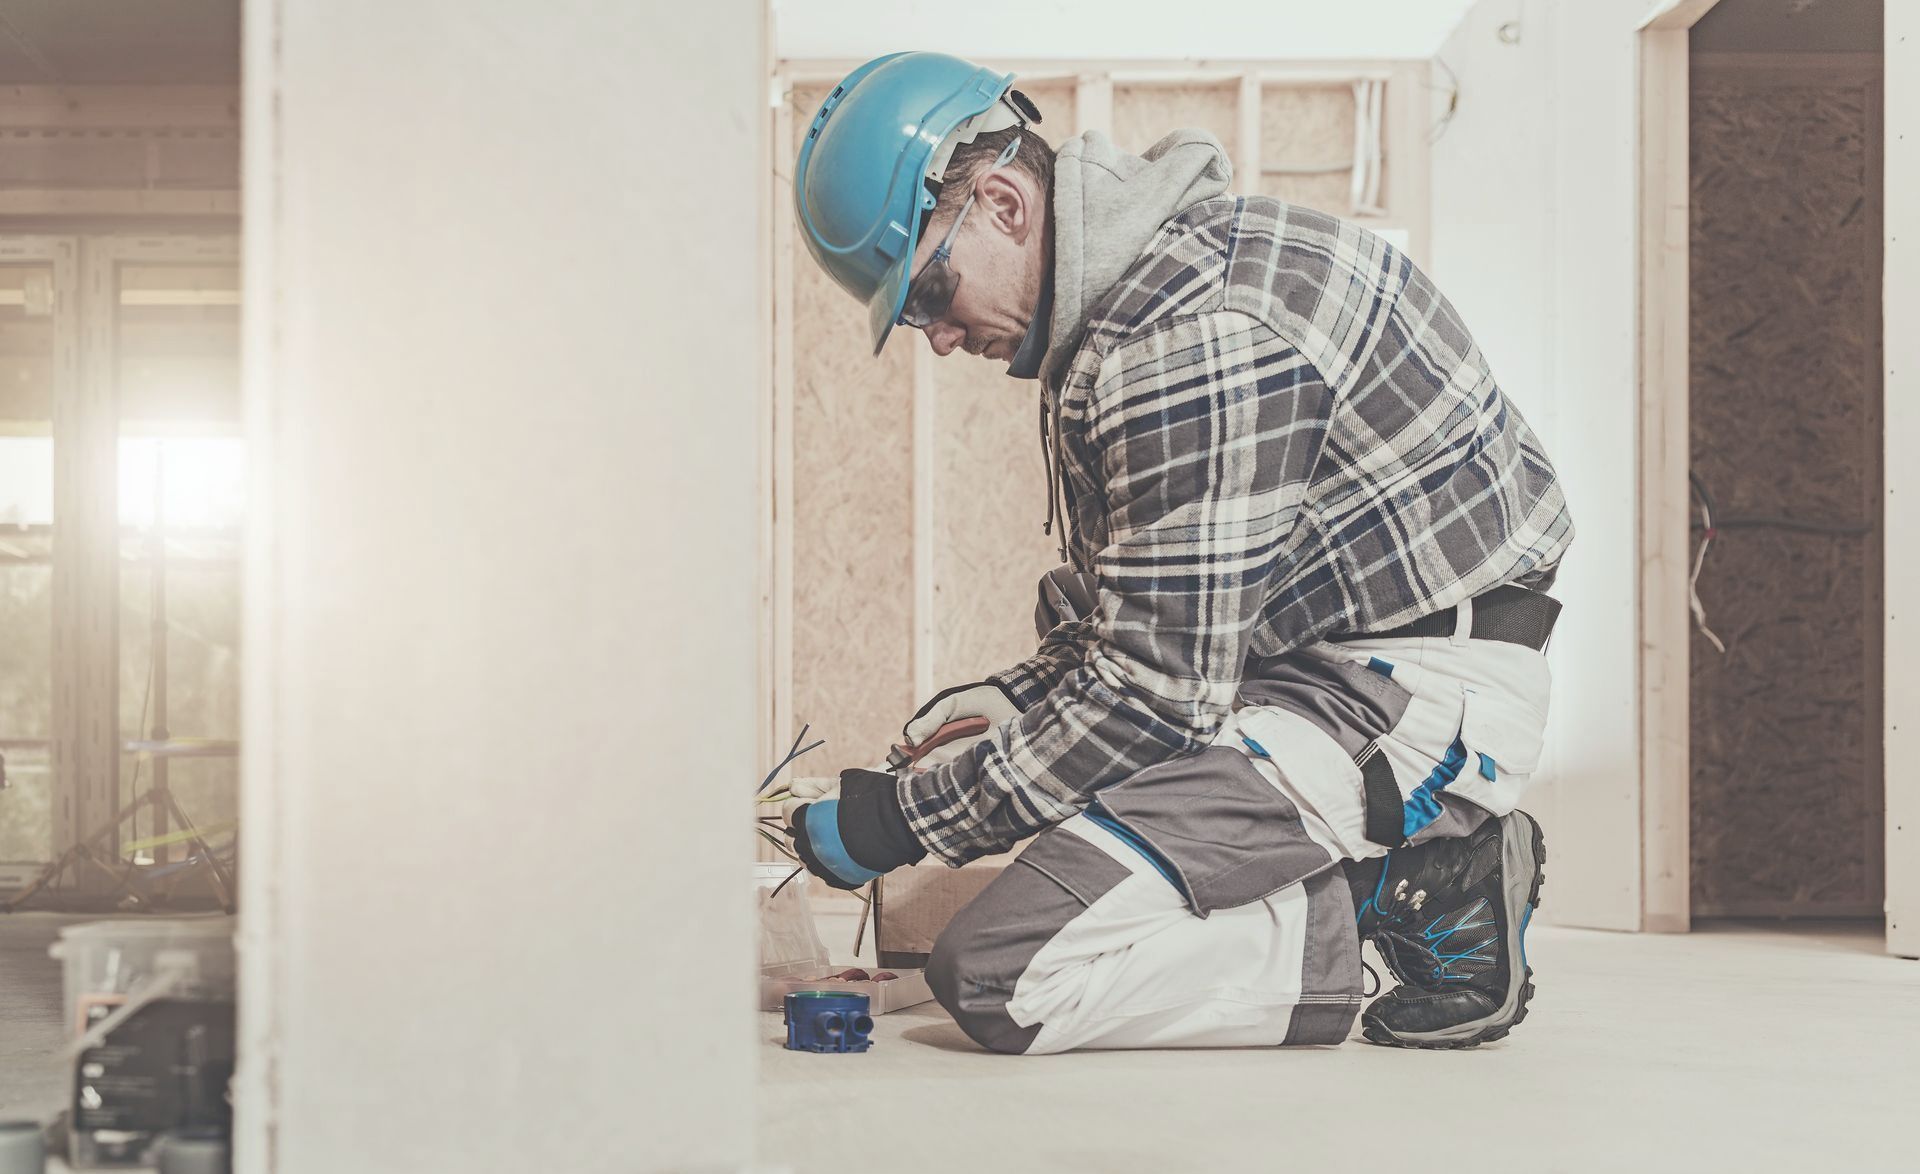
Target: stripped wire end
{"points": [[1694, 605], [794, 751]]}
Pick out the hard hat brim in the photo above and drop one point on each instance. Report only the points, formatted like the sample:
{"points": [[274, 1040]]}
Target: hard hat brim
{"points": [[883, 310]]}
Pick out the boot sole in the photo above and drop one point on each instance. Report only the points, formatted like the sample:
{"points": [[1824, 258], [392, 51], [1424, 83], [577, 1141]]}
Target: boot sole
{"points": [[1520, 856]]}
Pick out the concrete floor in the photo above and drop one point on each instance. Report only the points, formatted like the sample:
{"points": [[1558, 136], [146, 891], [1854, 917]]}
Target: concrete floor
{"points": [[33, 1080], [1733, 1048]]}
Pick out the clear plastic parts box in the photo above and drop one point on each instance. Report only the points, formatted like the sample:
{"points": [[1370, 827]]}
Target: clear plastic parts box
{"points": [[109, 962]]}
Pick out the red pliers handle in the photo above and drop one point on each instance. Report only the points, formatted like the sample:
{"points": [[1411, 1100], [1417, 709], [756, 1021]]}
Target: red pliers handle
{"points": [[909, 755]]}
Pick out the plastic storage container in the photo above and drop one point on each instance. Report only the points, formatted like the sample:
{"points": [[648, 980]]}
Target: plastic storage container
{"points": [[106, 962], [908, 989], [789, 943]]}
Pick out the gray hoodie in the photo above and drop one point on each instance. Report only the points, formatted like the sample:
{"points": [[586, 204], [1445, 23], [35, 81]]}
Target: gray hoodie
{"points": [[1107, 205]]}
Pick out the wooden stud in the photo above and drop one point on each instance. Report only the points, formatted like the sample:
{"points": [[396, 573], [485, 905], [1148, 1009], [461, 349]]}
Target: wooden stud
{"points": [[1246, 153], [1409, 164], [71, 747], [119, 108], [776, 621], [829, 70], [86, 574], [1663, 494], [1900, 497], [107, 202], [1093, 102], [924, 457], [1873, 688], [775, 435]]}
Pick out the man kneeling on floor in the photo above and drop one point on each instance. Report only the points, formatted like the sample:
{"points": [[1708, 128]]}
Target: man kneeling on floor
{"points": [[1292, 677]]}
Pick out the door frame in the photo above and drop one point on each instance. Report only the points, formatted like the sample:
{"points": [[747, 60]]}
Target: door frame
{"points": [[1900, 518], [1664, 509], [1664, 513]]}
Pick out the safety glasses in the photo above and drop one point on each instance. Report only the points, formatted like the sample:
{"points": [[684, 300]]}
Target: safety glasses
{"points": [[930, 294]]}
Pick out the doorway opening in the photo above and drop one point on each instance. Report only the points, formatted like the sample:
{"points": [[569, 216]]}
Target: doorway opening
{"points": [[1786, 790]]}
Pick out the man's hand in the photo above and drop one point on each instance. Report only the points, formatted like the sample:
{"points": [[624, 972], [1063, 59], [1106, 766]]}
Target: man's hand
{"points": [[803, 791], [858, 836], [983, 699]]}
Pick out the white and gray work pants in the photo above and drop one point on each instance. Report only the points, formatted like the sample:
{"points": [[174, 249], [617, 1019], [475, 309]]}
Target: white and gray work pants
{"points": [[1200, 903]]}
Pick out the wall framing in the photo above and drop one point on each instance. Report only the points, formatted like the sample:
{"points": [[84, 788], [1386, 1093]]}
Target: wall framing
{"points": [[1237, 90], [1900, 366], [169, 151], [1662, 492]]}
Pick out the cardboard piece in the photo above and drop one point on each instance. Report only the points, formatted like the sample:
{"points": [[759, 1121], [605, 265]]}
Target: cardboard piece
{"points": [[912, 905]]}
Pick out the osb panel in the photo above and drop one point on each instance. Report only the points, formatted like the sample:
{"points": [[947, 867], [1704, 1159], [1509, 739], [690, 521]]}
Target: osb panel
{"points": [[1308, 127], [990, 496], [852, 518], [1786, 802], [989, 492], [1144, 113]]}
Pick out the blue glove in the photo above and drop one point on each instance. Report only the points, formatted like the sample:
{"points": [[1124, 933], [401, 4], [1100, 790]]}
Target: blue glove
{"points": [[859, 836]]}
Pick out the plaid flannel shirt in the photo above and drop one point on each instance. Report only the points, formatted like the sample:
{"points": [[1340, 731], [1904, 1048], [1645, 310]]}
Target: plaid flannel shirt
{"points": [[1274, 429]]}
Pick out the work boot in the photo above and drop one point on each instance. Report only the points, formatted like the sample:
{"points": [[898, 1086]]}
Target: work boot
{"points": [[1449, 918]]}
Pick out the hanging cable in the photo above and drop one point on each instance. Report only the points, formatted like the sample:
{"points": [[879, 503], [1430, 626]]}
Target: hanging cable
{"points": [[1699, 559], [1452, 87], [794, 751], [1711, 523], [1780, 522]]}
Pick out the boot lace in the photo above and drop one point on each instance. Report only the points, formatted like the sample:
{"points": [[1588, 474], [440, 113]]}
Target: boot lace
{"points": [[1449, 948], [1426, 956]]}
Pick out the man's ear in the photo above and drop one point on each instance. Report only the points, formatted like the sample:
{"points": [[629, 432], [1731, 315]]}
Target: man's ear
{"points": [[1009, 203]]}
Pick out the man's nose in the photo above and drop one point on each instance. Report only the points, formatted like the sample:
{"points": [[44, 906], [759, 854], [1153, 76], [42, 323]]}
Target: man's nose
{"points": [[943, 337]]}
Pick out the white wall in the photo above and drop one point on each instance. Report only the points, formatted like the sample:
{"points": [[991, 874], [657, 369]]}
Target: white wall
{"points": [[499, 329], [1902, 513], [1492, 242], [1534, 237], [1292, 30]]}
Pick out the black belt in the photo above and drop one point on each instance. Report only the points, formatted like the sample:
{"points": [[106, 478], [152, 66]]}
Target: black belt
{"points": [[1510, 613]]}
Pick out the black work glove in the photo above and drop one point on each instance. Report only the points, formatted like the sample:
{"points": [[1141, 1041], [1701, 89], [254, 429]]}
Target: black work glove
{"points": [[861, 835]]}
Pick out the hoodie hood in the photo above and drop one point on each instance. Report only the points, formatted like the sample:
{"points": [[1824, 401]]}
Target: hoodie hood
{"points": [[1107, 205]]}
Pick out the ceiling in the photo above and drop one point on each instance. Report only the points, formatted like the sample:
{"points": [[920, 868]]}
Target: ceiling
{"points": [[125, 42]]}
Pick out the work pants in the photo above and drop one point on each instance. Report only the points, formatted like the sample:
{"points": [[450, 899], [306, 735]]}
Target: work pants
{"points": [[1201, 902]]}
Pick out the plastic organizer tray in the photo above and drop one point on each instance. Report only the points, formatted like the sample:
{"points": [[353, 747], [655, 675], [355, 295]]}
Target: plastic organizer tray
{"points": [[908, 990]]}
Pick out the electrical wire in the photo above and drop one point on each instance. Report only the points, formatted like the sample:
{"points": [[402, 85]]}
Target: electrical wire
{"points": [[794, 751], [783, 884], [1699, 559], [1441, 124], [762, 823], [1780, 522], [1711, 525], [779, 847]]}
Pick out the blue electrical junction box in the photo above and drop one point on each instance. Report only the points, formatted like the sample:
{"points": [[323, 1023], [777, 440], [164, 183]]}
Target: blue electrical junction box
{"points": [[827, 1021]]}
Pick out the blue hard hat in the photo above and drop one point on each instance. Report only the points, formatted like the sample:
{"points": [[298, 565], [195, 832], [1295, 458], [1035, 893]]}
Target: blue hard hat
{"points": [[859, 185]]}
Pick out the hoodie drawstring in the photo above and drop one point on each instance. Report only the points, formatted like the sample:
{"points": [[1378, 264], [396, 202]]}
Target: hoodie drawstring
{"points": [[1051, 454]]}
